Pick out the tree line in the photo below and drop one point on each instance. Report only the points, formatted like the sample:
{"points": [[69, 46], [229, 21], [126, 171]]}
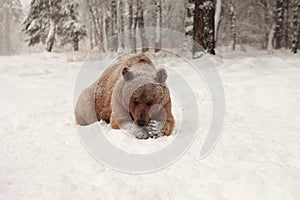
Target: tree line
{"points": [[263, 24]]}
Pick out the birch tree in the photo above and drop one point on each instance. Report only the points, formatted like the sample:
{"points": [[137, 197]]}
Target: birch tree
{"points": [[217, 18], [189, 25]]}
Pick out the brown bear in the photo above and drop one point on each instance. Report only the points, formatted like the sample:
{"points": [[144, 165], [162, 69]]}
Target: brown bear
{"points": [[130, 94]]}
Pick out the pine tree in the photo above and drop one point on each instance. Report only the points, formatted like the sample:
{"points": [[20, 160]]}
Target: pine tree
{"points": [[48, 19], [71, 30], [37, 23]]}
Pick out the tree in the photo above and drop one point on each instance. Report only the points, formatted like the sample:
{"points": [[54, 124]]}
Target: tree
{"points": [[141, 25], [133, 25], [96, 22], [158, 25], [37, 22], [71, 30], [52, 30], [279, 23], [267, 21], [10, 17], [121, 23], [130, 23], [204, 26], [189, 24], [114, 25], [233, 24], [286, 26], [217, 18], [296, 26], [48, 19]]}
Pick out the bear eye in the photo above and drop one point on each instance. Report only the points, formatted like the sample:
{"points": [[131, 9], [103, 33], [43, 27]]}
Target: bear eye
{"points": [[149, 104]]}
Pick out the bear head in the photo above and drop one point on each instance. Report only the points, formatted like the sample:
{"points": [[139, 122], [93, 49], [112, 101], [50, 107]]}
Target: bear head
{"points": [[149, 96]]}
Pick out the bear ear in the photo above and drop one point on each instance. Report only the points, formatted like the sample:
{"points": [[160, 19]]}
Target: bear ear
{"points": [[127, 75], [161, 76]]}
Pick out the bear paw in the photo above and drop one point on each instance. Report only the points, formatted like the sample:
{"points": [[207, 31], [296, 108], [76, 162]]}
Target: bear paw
{"points": [[156, 128], [142, 135]]}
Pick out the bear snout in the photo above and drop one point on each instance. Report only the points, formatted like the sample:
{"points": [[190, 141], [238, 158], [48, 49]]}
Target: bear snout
{"points": [[141, 122]]}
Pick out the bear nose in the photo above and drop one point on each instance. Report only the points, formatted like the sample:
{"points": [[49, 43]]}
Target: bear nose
{"points": [[141, 122]]}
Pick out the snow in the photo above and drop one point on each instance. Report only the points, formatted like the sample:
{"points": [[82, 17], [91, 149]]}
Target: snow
{"points": [[257, 157]]}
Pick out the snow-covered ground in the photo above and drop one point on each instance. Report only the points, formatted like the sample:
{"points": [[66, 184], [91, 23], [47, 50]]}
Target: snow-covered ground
{"points": [[257, 157]]}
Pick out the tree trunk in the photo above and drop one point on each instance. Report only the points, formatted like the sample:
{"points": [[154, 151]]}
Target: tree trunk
{"points": [[99, 24], [158, 26], [108, 24], [279, 24], [270, 39], [114, 25], [52, 30], [204, 27], [121, 14], [267, 22], [141, 24], [189, 25], [134, 26], [232, 24], [298, 24], [7, 39], [76, 43], [91, 24], [286, 23], [218, 18], [296, 27], [198, 27], [132, 33]]}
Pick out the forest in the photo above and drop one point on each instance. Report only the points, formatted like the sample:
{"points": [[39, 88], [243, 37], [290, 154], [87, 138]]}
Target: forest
{"points": [[72, 25]]}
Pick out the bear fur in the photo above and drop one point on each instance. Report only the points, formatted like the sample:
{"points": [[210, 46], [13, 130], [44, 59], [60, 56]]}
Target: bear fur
{"points": [[129, 94]]}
